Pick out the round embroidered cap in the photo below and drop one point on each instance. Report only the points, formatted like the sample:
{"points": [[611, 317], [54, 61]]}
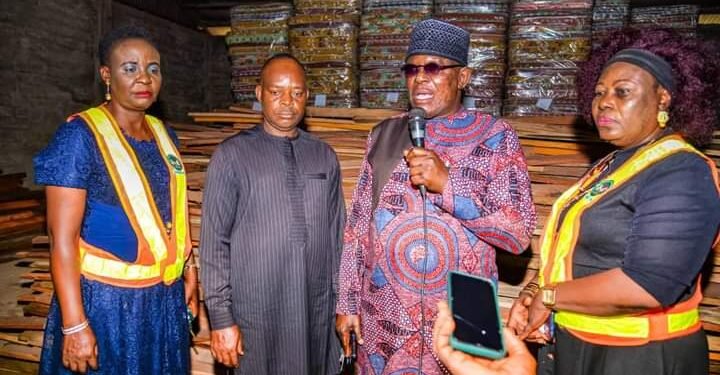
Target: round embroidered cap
{"points": [[438, 38]]}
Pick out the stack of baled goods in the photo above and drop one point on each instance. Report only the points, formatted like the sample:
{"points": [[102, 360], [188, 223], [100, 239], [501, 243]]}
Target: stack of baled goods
{"points": [[258, 31], [323, 36], [486, 21], [681, 18], [608, 16], [548, 39], [384, 37]]}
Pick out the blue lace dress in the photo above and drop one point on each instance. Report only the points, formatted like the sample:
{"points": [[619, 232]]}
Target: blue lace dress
{"points": [[138, 330]]}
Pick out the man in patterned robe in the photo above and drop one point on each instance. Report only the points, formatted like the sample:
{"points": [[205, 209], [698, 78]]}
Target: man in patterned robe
{"points": [[478, 200]]}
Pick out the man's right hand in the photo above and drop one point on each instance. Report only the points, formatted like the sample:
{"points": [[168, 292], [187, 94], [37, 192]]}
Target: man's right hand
{"points": [[226, 345], [80, 351], [344, 325]]}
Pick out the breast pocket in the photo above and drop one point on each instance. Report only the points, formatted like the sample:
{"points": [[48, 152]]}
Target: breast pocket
{"points": [[317, 194], [316, 176]]}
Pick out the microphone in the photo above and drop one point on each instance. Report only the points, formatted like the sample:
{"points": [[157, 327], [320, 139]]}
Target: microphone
{"points": [[416, 125]]}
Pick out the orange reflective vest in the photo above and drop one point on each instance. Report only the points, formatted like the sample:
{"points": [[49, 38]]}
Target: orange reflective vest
{"points": [[161, 251], [559, 240]]}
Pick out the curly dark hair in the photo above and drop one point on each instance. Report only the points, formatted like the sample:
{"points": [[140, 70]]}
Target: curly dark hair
{"points": [[109, 40], [693, 108]]}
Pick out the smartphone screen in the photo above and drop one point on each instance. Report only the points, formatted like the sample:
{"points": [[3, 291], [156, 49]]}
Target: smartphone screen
{"points": [[474, 307]]}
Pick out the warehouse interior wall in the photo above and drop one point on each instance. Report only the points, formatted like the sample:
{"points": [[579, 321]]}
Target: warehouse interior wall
{"points": [[48, 69]]}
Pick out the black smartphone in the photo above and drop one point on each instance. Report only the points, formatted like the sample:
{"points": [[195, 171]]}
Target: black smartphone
{"points": [[474, 305], [347, 363]]}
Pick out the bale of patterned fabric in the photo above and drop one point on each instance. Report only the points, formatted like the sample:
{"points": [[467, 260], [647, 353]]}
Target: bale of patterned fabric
{"points": [[486, 21], [608, 16], [258, 31], [326, 43], [328, 6], [384, 36], [681, 18], [548, 39]]}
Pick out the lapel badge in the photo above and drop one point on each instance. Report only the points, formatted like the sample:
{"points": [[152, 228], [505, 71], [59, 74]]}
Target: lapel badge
{"points": [[175, 163]]}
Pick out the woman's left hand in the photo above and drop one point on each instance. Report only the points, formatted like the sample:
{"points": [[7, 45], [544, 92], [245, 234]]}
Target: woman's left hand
{"points": [[192, 298]]}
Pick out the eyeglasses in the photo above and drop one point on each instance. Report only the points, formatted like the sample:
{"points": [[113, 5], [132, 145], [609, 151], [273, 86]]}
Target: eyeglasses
{"points": [[431, 69]]}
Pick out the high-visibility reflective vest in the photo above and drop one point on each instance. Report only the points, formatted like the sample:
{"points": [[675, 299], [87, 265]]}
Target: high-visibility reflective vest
{"points": [[559, 240], [161, 251]]}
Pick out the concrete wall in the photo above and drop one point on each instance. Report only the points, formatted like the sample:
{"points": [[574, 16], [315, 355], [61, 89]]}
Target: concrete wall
{"points": [[48, 69]]}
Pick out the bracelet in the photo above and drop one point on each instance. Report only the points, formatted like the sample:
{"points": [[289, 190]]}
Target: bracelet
{"points": [[531, 288], [75, 328]]}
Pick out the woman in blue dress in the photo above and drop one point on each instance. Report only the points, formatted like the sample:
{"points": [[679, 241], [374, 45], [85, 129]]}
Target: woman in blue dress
{"points": [[118, 225]]}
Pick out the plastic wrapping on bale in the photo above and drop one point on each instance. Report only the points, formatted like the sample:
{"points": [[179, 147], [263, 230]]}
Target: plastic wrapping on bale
{"points": [[486, 21], [326, 43], [384, 99], [258, 31], [424, 6], [389, 78], [608, 16], [327, 6], [470, 6], [549, 39], [485, 105], [545, 53], [384, 37], [681, 18], [520, 107]]}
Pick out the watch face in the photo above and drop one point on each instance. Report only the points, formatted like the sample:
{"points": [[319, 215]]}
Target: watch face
{"points": [[548, 297]]}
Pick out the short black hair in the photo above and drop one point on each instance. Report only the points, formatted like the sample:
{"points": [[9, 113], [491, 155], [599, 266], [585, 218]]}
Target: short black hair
{"points": [[114, 36], [283, 55]]}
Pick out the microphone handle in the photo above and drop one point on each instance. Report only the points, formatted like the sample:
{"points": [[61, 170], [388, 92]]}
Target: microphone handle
{"points": [[420, 142]]}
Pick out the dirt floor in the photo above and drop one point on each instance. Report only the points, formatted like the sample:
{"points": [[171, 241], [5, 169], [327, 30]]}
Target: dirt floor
{"points": [[10, 284]]}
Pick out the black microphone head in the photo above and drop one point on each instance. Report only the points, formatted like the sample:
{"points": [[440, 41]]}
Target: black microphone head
{"points": [[416, 123], [416, 112]]}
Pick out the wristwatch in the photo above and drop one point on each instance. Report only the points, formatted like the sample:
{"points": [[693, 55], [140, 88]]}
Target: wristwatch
{"points": [[548, 296]]}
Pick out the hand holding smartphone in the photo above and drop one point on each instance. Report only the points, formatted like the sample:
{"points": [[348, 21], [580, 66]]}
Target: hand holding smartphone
{"points": [[347, 363], [474, 305]]}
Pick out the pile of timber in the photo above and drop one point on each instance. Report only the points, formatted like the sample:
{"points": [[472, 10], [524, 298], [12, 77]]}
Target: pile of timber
{"points": [[21, 212], [21, 337], [22, 217]]}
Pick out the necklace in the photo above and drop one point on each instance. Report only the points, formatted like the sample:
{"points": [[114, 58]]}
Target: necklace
{"points": [[587, 183]]}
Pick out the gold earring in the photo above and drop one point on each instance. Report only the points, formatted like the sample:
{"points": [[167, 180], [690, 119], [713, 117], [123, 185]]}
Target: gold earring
{"points": [[662, 119], [108, 97]]}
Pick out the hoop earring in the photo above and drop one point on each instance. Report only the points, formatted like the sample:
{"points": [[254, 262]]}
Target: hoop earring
{"points": [[662, 119], [108, 97]]}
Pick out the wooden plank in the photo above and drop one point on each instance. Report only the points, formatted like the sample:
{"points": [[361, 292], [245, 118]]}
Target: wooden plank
{"points": [[31, 338], [42, 276], [19, 204], [42, 298], [21, 323], [23, 352]]}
